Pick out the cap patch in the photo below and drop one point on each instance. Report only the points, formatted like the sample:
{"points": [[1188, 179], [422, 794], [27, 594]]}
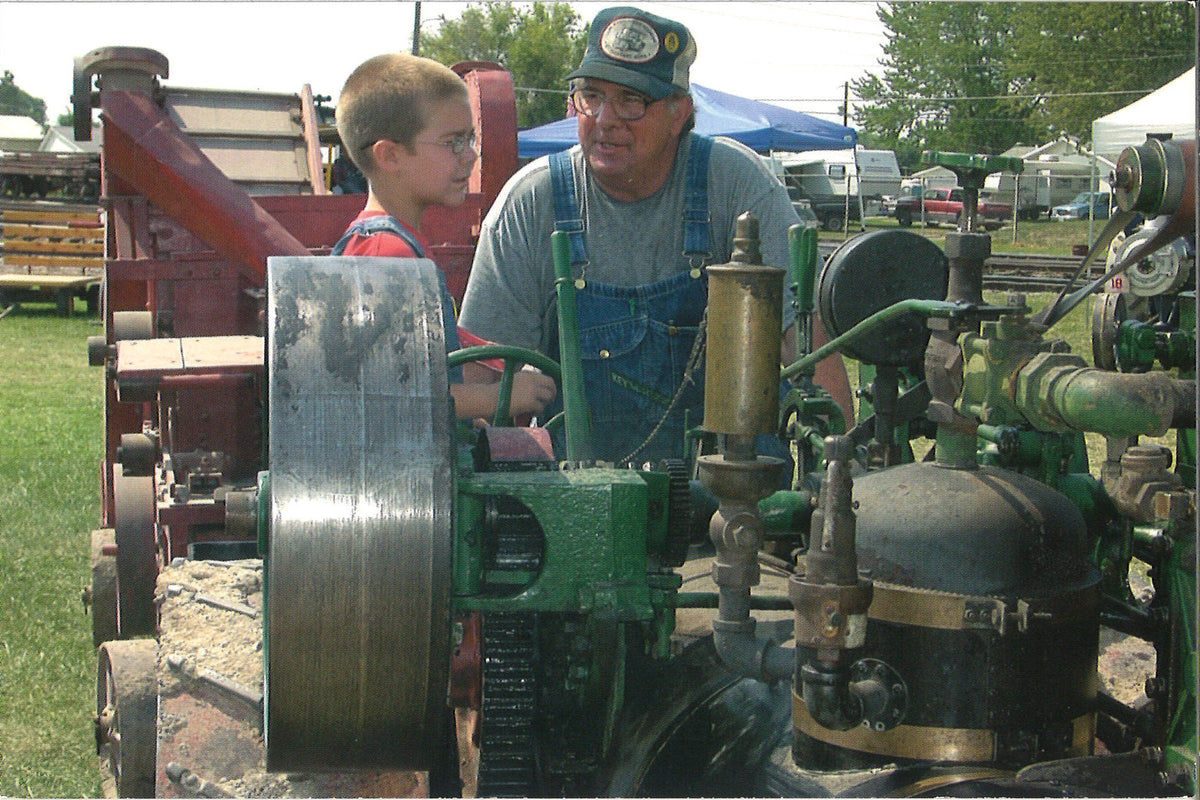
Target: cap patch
{"points": [[629, 39]]}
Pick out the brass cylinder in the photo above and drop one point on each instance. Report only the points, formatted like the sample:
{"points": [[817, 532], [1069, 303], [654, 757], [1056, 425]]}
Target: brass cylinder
{"points": [[741, 388]]}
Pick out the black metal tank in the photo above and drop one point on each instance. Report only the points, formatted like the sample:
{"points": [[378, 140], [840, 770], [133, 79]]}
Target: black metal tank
{"points": [[985, 608]]}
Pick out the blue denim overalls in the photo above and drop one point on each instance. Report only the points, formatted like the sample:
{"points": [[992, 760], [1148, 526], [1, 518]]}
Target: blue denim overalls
{"points": [[386, 223], [636, 340]]}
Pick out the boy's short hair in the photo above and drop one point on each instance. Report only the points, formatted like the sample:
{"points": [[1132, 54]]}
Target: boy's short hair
{"points": [[388, 97]]}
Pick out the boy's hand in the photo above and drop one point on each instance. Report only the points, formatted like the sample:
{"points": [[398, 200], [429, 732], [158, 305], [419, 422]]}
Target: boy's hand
{"points": [[531, 392]]}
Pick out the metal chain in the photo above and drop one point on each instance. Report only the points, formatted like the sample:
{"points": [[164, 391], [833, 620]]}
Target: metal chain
{"points": [[684, 381]]}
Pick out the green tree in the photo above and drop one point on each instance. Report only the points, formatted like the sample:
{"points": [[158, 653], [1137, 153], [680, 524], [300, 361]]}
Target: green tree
{"points": [[1078, 56], [539, 45], [981, 77], [15, 100], [944, 83]]}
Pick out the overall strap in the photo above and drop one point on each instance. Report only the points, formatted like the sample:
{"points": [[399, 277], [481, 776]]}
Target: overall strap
{"points": [[566, 204], [370, 226], [697, 242]]}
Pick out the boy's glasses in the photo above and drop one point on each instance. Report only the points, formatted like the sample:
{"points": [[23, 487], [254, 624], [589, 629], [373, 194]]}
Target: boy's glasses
{"points": [[455, 144], [628, 106]]}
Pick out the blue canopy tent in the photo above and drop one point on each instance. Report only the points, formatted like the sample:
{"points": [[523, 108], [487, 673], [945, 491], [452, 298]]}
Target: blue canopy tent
{"points": [[759, 126]]}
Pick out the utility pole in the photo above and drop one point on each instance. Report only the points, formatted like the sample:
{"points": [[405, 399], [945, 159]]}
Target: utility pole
{"points": [[845, 102], [416, 50]]}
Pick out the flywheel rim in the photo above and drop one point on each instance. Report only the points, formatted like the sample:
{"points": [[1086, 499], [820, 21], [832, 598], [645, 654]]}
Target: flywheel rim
{"points": [[358, 563]]}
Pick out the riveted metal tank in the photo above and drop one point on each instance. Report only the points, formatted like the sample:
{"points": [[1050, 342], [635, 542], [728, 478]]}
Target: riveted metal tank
{"points": [[985, 613]]}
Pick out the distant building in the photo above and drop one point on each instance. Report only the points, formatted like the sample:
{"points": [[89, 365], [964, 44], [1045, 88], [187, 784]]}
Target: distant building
{"points": [[19, 133], [61, 139]]}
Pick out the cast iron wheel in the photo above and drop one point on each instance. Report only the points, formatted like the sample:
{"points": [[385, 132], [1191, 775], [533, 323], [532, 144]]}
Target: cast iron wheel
{"points": [[102, 594], [137, 559], [126, 714], [357, 678], [1108, 313]]}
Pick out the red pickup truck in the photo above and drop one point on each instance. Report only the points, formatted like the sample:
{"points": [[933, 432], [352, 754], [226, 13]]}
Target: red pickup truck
{"points": [[945, 205]]}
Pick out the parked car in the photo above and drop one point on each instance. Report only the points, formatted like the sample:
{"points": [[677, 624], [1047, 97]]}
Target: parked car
{"points": [[945, 205], [1100, 203]]}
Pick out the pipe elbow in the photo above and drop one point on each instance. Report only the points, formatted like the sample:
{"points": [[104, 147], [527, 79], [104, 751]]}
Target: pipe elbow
{"points": [[829, 699], [750, 656]]}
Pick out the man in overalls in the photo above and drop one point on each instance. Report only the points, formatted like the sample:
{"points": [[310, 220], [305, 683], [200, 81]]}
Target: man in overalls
{"points": [[648, 205]]}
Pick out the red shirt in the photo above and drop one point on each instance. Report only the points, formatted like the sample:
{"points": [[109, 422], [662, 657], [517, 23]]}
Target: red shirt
{"points": [[382, 244], [391, 246]]}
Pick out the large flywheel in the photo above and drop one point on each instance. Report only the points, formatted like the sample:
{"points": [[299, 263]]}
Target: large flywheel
{"points": [[361, 489]]}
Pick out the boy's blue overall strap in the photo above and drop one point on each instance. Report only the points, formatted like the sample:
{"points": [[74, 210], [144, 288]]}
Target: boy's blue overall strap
{"points": [[566, 204], [696, 239], [696, 236], [384, 223]]}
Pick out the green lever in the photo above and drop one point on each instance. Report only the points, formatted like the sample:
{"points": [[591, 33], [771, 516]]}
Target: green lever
{"points": [[578, 423], [971, 171]]}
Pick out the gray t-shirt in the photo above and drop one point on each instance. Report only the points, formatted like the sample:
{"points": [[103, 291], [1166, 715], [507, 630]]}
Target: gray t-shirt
{"points": [[510, 295]]}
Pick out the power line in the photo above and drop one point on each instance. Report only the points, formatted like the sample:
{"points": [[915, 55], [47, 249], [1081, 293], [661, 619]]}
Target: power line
{"points": [[951, 99]]}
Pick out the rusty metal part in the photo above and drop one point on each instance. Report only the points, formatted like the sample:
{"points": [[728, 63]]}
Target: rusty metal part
{"points": [[148, 151], [128, 68], [502, 448], [1145, 471], [100, 597], [1109, 311], [138, 454], [126, 709], [131, 326], [357, 679], [135, 535], [745, 301]]}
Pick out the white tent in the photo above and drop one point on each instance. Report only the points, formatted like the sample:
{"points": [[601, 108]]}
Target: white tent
{"points": [[1169, 109]]}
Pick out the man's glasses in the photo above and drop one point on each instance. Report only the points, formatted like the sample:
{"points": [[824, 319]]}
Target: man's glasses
{"points": [[628, 106]]}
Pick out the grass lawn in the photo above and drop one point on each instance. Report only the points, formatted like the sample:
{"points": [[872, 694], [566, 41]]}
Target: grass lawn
{"points": [[51, 412], [1042, 236]]}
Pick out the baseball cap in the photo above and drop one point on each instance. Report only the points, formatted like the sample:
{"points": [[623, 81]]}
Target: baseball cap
{"points": [[640, 50]]}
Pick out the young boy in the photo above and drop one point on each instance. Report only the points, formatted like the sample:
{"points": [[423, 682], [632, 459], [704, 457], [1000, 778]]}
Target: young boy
{"points": [[406, 123]]}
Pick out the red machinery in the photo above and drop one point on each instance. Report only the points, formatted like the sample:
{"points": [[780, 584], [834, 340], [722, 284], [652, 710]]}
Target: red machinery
{"points": [[186, 249]]}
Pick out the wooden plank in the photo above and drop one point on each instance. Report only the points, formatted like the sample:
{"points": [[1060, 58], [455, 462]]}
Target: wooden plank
{"points": [[150, 358], [47, 261], [18, 281], [10, 247], [42, 217]]}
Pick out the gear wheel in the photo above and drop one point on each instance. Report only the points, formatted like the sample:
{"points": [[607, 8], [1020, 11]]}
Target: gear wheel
{"points": [[679, 512]]}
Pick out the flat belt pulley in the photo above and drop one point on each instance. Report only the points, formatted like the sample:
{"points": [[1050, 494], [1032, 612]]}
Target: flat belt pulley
{"points": [[359, 556]]}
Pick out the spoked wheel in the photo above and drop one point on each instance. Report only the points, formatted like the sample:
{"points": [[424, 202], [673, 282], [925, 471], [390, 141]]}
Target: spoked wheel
{"points": [[102, 594], [126, 711], [137, 557], [358, 565]]}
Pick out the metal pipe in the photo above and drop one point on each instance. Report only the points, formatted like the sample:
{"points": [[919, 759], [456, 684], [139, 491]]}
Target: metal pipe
{"points": [[741, 400], [930, 308], [578, 423], [1054, 394], [831, 601]]}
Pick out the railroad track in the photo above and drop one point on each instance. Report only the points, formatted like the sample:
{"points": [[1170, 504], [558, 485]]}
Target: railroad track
{"points": [[1016, 271]]}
